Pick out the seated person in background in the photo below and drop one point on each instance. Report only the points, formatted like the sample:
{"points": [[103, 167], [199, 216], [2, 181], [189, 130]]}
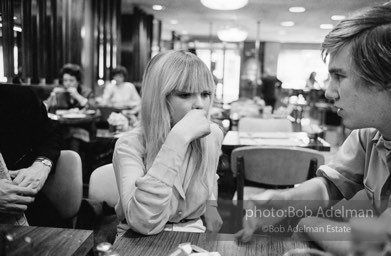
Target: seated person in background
{"points": [[360, 86], [269, 85], [311, 82], [30, 147], [166, 168], [121, 94], [71, 94]]}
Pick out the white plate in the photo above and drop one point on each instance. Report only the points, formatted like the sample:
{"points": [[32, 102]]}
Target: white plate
{"points": [[277, 116], [61, 112], [74, 115], [90, 112]]}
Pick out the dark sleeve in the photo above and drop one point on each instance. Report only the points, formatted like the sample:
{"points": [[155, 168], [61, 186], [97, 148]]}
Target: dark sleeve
{"points": [[89, 95], [48, 139], [87, 92]]}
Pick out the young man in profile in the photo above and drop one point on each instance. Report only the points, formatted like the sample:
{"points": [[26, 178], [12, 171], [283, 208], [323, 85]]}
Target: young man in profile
{"points": [[359, 64]]}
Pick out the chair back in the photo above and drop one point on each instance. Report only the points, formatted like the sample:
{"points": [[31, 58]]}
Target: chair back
{"points": [[103, 186], [273, 166], [64, 188], [251, 124], [260, 167]]}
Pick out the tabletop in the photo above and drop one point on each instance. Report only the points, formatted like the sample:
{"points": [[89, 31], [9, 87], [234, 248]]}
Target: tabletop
{"points": [[107, 134], [75, 118], [234, 139], [30, 240], [165, 243]]}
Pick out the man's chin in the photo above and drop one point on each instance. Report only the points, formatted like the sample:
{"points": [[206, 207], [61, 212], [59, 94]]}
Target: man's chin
{"points": [[348, 124], [353, 126]]}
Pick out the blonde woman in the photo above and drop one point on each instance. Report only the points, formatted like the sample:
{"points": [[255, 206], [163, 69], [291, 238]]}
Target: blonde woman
{"points": [[166, 168]]}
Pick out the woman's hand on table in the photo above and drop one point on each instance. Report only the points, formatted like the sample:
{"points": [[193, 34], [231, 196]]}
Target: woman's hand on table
{"points": [[213, 220]]}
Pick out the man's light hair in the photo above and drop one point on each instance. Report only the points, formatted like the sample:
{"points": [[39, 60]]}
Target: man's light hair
{"points": [[368, 34]]}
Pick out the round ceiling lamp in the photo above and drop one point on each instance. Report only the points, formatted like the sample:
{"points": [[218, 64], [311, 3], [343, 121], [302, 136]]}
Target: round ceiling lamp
{"points": [[232, 34], [224, 4]]}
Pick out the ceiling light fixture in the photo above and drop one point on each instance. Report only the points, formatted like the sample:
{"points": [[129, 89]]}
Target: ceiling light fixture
{"points": [[338, 17], [158, 7], [326, 26], [224, 4], [232, 34], [287, 23], [297, 9], [173, 22]]}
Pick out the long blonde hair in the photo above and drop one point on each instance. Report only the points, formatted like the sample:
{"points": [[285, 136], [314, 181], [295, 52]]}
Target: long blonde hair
{"points": [[167, 72]]}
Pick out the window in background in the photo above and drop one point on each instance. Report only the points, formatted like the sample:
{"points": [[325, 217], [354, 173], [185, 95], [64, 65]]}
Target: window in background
{"points": [[295, 66], [17, 34], [2, 78], [226, 69], [16, 64]]}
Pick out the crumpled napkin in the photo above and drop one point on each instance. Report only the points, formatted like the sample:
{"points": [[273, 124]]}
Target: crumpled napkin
{"points": [[119, 121]]}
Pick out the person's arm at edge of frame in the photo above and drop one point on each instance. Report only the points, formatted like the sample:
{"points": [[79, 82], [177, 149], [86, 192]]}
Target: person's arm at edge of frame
{"points": [[343, 245], [47, 145], [50, 138]]}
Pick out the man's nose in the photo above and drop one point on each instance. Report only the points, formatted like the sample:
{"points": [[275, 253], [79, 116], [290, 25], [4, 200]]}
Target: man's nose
{"points": [[331, 92]]}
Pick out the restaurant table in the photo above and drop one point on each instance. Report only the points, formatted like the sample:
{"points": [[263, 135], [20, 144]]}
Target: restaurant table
{"points": [[75, 118], [107, 134], [235, 139], [30, 240], [84, 120], [166, 242]]}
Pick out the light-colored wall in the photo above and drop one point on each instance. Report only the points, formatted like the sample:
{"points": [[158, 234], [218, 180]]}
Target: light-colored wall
{"points": [[272, 50]]}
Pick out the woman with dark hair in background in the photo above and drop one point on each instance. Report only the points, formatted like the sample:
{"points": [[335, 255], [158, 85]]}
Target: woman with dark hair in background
{"points": [[71, 93]]}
